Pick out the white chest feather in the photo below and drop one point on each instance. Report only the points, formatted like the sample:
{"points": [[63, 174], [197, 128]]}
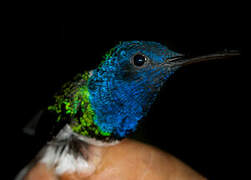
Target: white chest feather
{"points": [[70, 152]]}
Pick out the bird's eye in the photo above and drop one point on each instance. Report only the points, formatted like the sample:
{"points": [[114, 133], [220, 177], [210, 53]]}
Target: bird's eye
{"points": [[139, 60]]}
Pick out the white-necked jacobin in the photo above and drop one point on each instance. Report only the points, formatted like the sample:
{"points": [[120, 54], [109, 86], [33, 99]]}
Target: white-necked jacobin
{"points": [[105, 105]]}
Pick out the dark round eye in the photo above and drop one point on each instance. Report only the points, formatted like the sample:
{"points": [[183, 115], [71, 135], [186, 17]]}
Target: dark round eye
{"points": [[139, 60]]}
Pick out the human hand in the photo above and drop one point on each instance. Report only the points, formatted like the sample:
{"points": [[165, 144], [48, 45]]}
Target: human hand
{"points": [[128, 160]]}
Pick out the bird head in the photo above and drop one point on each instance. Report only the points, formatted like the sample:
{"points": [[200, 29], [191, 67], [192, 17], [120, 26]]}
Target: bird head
{"points": [[124, 86], [108, 102]]}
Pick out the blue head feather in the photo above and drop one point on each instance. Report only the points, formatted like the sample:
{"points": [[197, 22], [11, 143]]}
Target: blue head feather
{"points": [[121, 93]]}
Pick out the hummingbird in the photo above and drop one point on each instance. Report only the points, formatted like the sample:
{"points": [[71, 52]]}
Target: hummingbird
{"points": [[105, 105]]}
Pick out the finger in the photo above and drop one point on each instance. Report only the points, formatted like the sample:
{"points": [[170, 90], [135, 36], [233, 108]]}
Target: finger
{"points": [[40, 172], [127, 160], [133, 160]]}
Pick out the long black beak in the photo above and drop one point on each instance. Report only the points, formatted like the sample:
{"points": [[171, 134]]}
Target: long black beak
{"points": [[183, 60]]}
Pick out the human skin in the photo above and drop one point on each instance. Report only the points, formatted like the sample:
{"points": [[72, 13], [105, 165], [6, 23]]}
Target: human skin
{"points": [[128, 160]]}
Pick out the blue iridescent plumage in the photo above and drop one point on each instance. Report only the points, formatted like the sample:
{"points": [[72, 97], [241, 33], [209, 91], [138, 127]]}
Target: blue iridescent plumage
{"points": [[121, 93]]}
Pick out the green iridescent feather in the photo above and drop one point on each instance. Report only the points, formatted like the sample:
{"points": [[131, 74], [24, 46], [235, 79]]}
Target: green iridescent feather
{"points": [[108, 54], [73, 105]]}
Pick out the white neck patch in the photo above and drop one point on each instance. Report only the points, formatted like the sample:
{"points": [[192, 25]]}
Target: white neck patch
{"points": [[57, 155]]}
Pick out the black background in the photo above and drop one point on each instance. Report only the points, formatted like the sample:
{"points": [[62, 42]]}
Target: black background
{"points": [[199, 114]]}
